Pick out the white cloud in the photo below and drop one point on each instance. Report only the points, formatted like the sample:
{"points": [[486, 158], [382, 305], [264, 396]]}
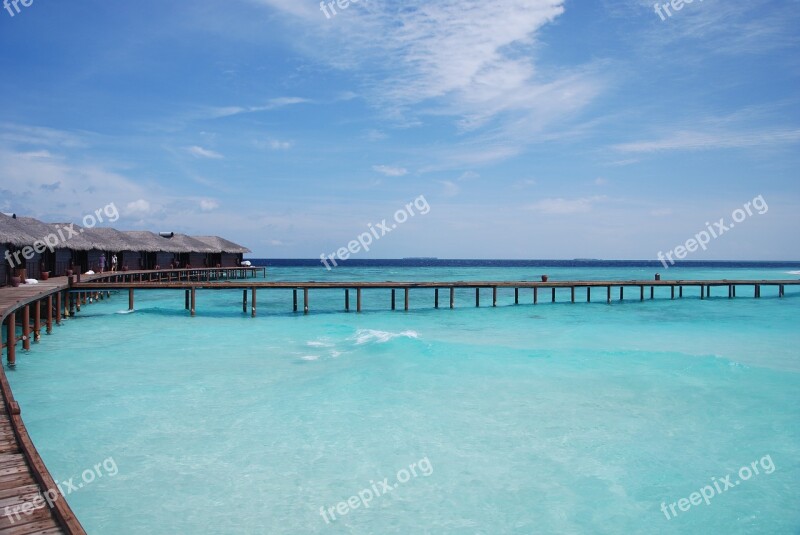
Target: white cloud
{"points": [[469, 175], [137, 208], [276, 144], [562, 206], [451, 189], [688, 140], [208, 205], [200, 152], [600, 181], [389, 170]]}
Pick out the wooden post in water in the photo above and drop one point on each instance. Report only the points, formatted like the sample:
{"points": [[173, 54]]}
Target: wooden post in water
{"points": [[130, 299], [608, 296], [11, 339], [781, 290], [436, 298], [347, 300], [702, 292], [193, 300], [535, 295], [757, 291], [572, 293], [186, 300], [708, 291], [37, 321], [516, 296], [77, 302], [652, 292], [734, 290], [730, 291], [494, 296], [406, 298], [641, 293], [49, 324], [588, 294], [358, 299], [393, 303], [58, 308], [294, 292], [621, 293], [672, 292], [477, 297], [680, 292], [26, 327], [452, 297], [253, 301], [554, 294], [244, 301], [305, 300]]}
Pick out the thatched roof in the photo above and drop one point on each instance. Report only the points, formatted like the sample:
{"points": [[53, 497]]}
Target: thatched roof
{"points": [[22, 231], [221, 245], [13, 232]]}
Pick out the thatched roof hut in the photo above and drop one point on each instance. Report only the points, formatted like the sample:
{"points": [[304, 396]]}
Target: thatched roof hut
{"points": [[12, 232], [221, 245], [151, 242]]}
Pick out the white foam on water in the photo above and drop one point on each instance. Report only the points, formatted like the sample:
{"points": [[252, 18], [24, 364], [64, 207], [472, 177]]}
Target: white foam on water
{"points": [[318, 343], [310, 357], [364, 336], [793, 272], [125, 311]]}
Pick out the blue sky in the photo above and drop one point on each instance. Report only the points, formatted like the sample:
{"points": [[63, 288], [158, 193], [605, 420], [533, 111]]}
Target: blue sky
{"points": [[533, 129]]}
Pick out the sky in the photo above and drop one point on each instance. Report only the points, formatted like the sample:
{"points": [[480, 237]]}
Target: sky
{"points": [[543, 129]]}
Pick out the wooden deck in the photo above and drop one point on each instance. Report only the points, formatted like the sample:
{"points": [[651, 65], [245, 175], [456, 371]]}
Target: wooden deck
{"points": [[24, 478]]}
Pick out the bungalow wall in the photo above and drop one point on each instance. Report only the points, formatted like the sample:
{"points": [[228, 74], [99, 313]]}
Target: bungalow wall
{"points": [[197, 260], [132, 259], [63, 259], [94, 260], [164, 259], [3, 266], [231, 259]]}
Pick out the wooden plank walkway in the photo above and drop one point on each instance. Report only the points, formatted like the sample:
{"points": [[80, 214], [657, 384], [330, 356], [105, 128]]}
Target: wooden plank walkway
{"points": [[24, 478]]}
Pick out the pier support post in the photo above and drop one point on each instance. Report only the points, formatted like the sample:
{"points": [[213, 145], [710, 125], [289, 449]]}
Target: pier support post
{"points": [[37, 321], [78, 298], [347, 300], [702, 292], [781, 290], [652, 292], [193, 300], [672, 292], [452, 297], [680, 292], [554, 294], [535, 295], [58, 308], [477, 297], [26, 327], [621, 293], [757, 291], [70, 304], [406, 298], [294, 292], [588, 294], [641, 293], [130, 299], [358, 299], [305, 300], [253, 301], [494, 296], [393, 299], [186, 300], [244, 301], [734, 290], [608, 294], [516, 296], [730, 291], [11, 339], [436, 298], [708, 291], [49, 324], [572, 293]]}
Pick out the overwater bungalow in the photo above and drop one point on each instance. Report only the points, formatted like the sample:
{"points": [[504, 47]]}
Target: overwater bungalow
{"points": [[227, 253]]}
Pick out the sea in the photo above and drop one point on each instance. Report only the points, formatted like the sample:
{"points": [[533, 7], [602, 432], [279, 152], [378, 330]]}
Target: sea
{"points": [[662, 416]]}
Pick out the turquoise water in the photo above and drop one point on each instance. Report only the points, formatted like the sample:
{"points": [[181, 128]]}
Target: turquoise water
{"points": [[558, 418]]}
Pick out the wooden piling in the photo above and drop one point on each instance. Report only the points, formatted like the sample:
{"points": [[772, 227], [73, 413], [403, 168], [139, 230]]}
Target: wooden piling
{"points": [[652, 292], [588, 294], [757, 291], [305, 300], [130, 299], [516, 296], [494, 296], [253, 302], [186, 300], [78, 301], [37, 320], [294, 292], [49, 324], [781, 290], [58, 308], [244, 301], [26, 327], [734, 290], [641, 293], [192, 304], [554, 294], [621, 293], [572, 293], [708, 291], [477, 297], [406, 298], [608, 294], [452, 297], [672, 292], [436, 298], [358, 299], [680, 292], [11, 339], [347, 300], [730, 291], [702, 292], [393, 300], [535, 295]]}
